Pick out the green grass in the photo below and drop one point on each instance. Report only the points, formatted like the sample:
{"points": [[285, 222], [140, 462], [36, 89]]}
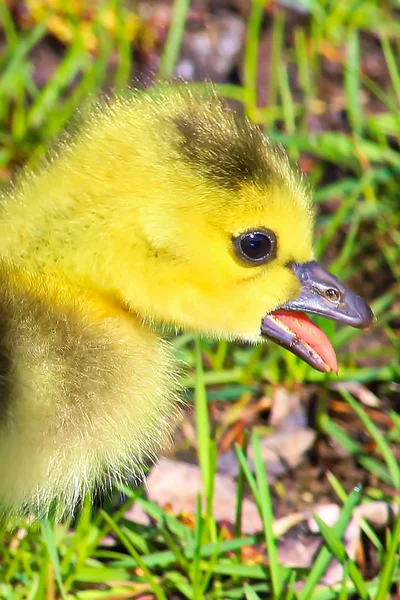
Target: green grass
{"points": [[362, 236]]}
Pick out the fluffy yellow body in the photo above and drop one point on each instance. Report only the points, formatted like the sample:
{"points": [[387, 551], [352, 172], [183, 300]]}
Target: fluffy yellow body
{"points": [[128, 224]]}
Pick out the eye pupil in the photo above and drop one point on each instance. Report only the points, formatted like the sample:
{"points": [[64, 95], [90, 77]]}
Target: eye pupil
{"points": [[256, 247]]}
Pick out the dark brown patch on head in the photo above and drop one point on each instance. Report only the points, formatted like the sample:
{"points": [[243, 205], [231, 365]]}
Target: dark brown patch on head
{"points": [[225, 149]]}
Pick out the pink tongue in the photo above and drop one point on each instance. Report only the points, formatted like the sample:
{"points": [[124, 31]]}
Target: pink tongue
{"points": [[308, 332]]}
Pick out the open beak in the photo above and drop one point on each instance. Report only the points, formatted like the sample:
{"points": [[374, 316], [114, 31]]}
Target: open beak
{"points": [[321, 294]]}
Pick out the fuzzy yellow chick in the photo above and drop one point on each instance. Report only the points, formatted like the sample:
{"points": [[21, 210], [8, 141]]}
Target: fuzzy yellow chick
{"points": [[163, 208]]}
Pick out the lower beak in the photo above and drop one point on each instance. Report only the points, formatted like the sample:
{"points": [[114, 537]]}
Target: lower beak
{"points": [[322, 294]]}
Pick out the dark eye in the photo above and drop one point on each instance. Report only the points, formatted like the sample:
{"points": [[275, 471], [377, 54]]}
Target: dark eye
{"points": [[255, 247]]}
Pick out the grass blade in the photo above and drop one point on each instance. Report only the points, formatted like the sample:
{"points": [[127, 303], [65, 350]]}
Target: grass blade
{"points": [[337, 548], [49, 540], [322, 561], [175, 35], [267, 517], [389, 563], [158, 592], [387, 454]]}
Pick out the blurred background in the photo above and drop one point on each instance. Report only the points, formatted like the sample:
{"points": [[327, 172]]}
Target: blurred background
{"points": [[321, 77]]}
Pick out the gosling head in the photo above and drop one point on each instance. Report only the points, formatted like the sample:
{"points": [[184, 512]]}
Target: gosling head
{"points": [[207, 227]]}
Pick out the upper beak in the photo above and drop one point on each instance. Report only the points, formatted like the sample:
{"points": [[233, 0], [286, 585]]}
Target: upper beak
{"points": [[322, 294]]}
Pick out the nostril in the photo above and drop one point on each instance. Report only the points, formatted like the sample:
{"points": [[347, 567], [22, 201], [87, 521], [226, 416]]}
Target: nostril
{"points": [[333, 295]]}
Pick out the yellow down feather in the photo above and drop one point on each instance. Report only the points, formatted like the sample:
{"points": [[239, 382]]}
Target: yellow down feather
{"points": [[126, 226]]}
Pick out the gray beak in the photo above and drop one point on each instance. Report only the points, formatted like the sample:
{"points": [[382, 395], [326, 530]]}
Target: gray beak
{"points": [[322, 294]]}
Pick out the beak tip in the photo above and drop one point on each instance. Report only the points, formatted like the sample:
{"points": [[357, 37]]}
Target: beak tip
{"points": [[327, 369], [356, 312], [369, 321]]}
